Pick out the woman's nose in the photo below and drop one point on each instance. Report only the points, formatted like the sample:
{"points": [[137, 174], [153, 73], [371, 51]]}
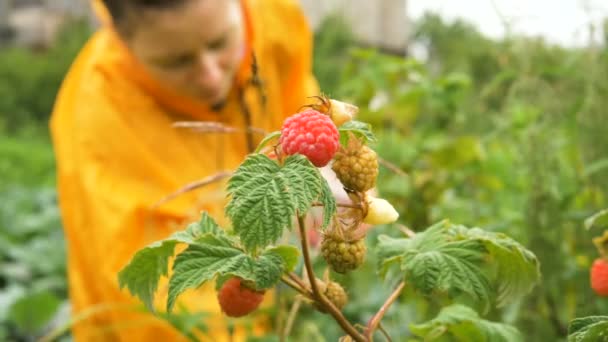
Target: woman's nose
{"points": [[210, 70]]}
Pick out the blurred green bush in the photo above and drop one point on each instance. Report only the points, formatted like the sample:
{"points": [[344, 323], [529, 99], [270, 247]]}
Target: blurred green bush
{"points": [[29, 80], [33, 280]]}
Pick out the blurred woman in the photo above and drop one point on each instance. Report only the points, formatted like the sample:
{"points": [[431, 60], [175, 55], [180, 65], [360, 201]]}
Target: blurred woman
{"points": [[235, 64]]}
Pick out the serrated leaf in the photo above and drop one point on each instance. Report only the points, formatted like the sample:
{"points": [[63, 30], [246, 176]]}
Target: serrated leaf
{"points": [[265, 197], [143, 272], [461, 323], [207, 259], [516, 269], [431, 262], [448, 267], [454, 259], [588, 329], [149, 264], [329, 204], [362, 130], [202, 262], [267, 269]]}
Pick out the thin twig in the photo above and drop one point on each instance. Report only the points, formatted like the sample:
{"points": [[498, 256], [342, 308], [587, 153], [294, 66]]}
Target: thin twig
{"points": [[341, 205], [291, 318], [385, 333], [392, 167], [317, 295], [216, 127], [307, 260], [375, 321], [298, 281], [193, 186], [303, 291], [408, 232]]}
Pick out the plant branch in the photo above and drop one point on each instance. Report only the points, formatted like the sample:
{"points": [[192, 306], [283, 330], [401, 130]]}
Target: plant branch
{"points": [[302, 290], [375, 321], [392, 167], [341, 205], [408, 232], [385, 333], [298, 281], [317, 295], [307, 260], [216, 127], [193, 186], [291, 318]]}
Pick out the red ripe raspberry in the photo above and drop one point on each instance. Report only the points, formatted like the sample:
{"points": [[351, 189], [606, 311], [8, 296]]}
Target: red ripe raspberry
{"points": [[237, 300], [312, 134], [599, 277]]}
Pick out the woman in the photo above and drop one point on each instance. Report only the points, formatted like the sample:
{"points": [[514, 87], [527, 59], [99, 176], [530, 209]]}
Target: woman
{"points": [[154, 63]]}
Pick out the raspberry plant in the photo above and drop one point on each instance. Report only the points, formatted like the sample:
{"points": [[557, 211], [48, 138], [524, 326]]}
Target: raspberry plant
{"points": [[270, 195]]}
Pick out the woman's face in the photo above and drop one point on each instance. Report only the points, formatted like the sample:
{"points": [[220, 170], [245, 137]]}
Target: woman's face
{"points": [[195, 48]]}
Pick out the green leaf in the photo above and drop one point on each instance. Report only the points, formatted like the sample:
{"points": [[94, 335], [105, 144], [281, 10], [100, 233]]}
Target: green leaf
{"points": [[267, 269], [149, 264], [329, 203], [431, 263], [202, 262], [32, 312], [267, 139], [289, 254], [205, 260], [461, 323], [454, 259], [265, 197], [516, 269], [598, 219], [362, 130], [588, 329]]}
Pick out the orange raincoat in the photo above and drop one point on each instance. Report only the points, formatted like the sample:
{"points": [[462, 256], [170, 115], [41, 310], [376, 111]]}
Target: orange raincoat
{"points": [[118, 153]]}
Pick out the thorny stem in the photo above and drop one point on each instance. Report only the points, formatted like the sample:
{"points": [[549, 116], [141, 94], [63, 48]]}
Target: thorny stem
{"points": [[317, 295], [375, 321]]}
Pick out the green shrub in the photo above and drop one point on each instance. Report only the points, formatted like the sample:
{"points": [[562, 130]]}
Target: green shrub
{"points": [[29, 80]]}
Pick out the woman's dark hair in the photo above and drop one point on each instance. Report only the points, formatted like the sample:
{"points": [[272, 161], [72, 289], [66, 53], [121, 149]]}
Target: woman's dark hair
{"points": [[119, 9]]}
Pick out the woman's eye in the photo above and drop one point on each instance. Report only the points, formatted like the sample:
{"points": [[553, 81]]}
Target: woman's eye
{"points": [[177, 62], [218, 44]]}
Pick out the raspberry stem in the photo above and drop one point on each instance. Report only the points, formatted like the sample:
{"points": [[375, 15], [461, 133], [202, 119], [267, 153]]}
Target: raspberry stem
{"points": [[291, 318], [375, 321], [317, 295], [342, 205], [302, 290]]}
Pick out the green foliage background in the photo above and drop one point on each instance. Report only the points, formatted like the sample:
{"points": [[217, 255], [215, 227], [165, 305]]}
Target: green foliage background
{"points": [[507, 135]]}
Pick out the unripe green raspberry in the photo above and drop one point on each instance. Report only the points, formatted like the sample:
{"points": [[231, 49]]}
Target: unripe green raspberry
{"points": [[356, 167], [343, 256], [336, 295]]}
